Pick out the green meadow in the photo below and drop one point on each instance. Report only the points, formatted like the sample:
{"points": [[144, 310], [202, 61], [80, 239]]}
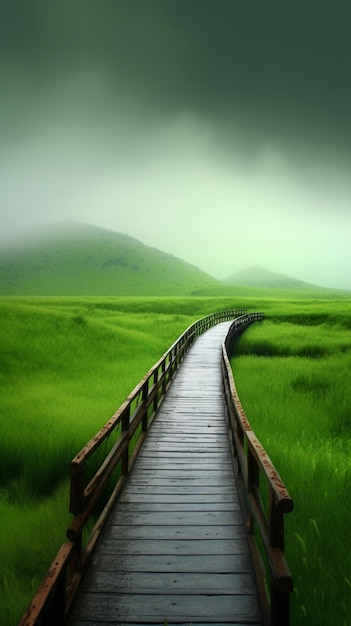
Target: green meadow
{"points": [[292, 374], [67, 363]]}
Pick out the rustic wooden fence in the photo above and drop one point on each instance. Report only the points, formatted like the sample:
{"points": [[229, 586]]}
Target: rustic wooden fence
{"points": [[263, 495], [107, 459]]}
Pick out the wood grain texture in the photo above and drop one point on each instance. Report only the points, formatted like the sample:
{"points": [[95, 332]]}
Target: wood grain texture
{"points": [[175, 547]]}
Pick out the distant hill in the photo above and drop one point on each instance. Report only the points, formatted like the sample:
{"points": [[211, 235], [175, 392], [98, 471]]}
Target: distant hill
{"points": [[77, 259], [262, 278]]}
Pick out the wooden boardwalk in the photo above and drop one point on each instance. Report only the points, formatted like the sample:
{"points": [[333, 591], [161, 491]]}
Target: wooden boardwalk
{"points": [[174, 549]]}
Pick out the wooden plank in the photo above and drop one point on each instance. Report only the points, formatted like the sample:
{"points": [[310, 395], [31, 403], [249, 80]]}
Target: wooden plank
{"points": [[176, 479], [195, 417], [175, 532], [186, 547], [182, 489], [171, 583], [200, 481], [176, 455], [205, 430], [161, 608], [204, 461], [209, 459], [206, 564], [185, 465], [203, 438], [187, 448], [189, 422], [164, 440], [160, 507], [151, 623], [188, 474], [172, 498], [176, 518]]}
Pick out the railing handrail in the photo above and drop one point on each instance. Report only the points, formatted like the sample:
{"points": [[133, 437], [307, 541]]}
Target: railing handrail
{"points": [[251, 459], [55, 595]]}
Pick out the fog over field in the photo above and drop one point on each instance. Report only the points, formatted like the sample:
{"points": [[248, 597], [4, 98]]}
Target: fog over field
{"points": [[218, 131]]}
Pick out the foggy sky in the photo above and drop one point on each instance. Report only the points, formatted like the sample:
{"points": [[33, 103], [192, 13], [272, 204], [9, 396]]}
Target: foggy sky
{"points": [[218, 130]]}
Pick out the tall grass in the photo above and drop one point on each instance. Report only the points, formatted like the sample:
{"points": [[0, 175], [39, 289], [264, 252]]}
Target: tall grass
{"points": [[66, 364], [293, 381], [29, 539]]}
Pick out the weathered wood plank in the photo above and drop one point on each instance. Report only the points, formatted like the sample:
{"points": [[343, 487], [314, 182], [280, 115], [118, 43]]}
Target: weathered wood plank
{"points": [[177, 518], [175, 532], [188, 474], [169, 623], [232, 532], [190, 498], [187, 448], [200, 481], [185, 465], [189, 507], [208, 563], [188, 444], [161, 608], [175, 457], [172, 583], [211, 488], [203, 437], [213, 460], [179, 547]]}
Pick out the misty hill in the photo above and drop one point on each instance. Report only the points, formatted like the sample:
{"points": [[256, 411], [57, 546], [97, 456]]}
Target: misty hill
{"points": [[262, 278], [77, 259]]}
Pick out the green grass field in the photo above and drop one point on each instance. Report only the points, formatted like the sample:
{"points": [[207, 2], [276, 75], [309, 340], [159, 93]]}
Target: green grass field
{"points": [[292, 377], [68, 363]]}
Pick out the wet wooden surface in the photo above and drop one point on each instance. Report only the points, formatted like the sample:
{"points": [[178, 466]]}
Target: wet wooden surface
{"points": [[174, 549]]}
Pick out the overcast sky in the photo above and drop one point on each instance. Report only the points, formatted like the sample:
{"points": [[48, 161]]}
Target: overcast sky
{"points": [[218, 131]]}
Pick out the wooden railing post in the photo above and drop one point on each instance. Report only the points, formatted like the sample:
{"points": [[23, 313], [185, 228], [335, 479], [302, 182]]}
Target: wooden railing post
{"points": [[276, 523], [279, 589], [172, 360], [280, 600], [252, 485], [144, 401], [280, 608], [59, 603], [156, 389], [125, 428], [77, 499]]}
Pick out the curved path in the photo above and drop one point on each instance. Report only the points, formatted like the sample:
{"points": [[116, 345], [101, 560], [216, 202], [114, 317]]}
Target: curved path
{"points": [[174, 549]]}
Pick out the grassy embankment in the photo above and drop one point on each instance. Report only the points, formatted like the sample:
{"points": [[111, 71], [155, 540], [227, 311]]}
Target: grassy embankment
{"points": [[67, 364], [292, 374]]}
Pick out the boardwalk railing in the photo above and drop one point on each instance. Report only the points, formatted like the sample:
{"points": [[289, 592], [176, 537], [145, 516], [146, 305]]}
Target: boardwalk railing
{"points": [[264, 502], [113, 451], [107, 459]]}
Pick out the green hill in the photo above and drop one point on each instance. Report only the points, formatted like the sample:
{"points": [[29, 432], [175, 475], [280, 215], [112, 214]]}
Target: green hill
{"points": [[78, 259], [262, 278]]}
